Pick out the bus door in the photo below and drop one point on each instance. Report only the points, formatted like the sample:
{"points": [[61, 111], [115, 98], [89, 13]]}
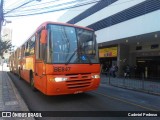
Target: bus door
{"points": [[40, 77]]}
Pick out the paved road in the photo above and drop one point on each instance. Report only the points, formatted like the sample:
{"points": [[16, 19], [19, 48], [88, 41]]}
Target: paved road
{"points": [[106, 98]]}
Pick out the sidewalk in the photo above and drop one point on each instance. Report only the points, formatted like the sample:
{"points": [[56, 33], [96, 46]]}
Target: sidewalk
{"points": [[10, 100]]}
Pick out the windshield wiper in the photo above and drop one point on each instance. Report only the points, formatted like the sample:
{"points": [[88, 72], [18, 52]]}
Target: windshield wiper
{"points": [[75, 52]]}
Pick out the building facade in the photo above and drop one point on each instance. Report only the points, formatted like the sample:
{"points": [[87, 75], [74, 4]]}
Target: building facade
{"points": [[128, 33]]}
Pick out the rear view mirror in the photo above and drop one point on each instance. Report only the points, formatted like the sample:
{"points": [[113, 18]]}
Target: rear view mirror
{"points": [[43, 39]]}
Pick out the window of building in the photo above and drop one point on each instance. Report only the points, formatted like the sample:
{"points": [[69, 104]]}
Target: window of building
{"points": [[138, 47], [154, 46]]}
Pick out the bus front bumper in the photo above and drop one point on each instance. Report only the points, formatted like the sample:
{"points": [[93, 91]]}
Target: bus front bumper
{"points": [[72, 84]]}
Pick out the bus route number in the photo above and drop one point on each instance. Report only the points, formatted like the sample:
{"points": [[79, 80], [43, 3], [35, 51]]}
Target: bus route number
{"points": [[62, 69]]}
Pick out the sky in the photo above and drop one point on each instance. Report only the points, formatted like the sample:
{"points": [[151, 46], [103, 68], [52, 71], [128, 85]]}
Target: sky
{"points": [[24, 27]]}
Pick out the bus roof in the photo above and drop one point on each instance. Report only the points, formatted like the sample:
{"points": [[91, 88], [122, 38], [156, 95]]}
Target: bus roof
{"points": [[60, 23], [56, 23]]}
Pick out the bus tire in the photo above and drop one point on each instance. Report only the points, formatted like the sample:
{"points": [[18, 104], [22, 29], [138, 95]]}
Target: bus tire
{"points": [[19, 74], [32, 82]]}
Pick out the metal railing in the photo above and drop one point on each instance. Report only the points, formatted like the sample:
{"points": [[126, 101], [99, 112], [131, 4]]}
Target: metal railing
{"points": [[140, 84]]}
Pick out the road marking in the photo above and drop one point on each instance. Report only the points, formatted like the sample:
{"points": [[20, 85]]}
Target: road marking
{"points": [[125, 101], [11, 103]]}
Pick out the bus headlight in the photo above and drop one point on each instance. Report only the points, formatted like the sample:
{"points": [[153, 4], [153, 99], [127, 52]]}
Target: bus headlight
{"points": [[60, 79], [95, 76]]}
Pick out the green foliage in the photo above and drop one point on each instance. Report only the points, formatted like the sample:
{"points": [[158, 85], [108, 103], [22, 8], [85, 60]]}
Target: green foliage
{"points": [[4, 46]]}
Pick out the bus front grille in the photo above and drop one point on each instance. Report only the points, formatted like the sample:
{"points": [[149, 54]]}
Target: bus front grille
{"points": [[78, 81]]}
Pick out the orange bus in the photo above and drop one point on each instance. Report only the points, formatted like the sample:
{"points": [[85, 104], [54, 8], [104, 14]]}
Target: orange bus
{"points": [[14, 61], [58, 59]]}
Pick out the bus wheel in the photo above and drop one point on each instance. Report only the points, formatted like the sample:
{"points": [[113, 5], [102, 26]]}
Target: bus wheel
{"points": [[32, 83], [19, 75]]}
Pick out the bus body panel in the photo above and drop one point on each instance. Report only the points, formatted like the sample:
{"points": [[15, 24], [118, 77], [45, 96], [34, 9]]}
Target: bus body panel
{"points": [[25, 74], [40, 83], [39, 76], [72, 68], [79, 78], [26, 67]]}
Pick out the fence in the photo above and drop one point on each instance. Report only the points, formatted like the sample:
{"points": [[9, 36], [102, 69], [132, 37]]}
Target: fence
{"points": [[145, 85]]}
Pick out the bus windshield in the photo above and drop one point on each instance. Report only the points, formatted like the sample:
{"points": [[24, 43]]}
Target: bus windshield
{"points": [[68, 44]]}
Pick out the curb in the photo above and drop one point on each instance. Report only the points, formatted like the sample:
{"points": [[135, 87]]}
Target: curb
{"points": [[20, 100]]}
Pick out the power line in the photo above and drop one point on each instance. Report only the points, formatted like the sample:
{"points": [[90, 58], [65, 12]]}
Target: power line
{"points": [[13, 4], [50, 2], [19, 6], [54, 10], [45, 8], [35, 4]]}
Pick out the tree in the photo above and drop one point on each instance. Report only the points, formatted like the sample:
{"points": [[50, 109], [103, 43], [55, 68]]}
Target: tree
{"points": [[4, 46]]}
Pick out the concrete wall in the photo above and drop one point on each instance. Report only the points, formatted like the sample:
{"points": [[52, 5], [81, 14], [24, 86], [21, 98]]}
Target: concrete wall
{"points": [[71, 13], [123, 57], [112, 9], [140, 25]]}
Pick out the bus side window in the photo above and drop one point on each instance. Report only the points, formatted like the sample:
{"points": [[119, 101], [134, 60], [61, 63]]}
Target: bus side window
{"points": [[43, 51], [26, 49], [22, 51], [31, 45], [19, 53], [37, 45], [40, 48]]}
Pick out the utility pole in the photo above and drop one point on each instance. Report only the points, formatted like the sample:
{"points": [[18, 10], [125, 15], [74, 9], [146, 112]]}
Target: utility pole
{"points": [[1, 15], [1, 22]]}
